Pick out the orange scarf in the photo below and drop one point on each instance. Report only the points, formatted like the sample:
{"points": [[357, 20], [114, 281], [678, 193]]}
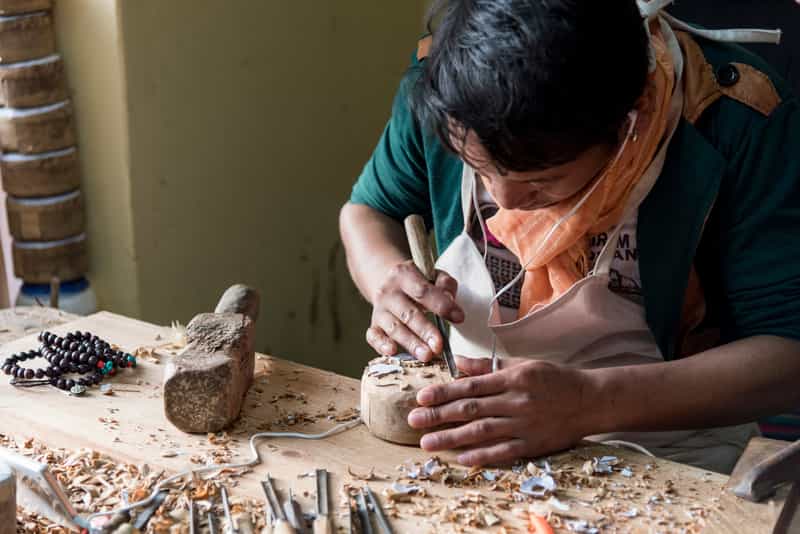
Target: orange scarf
{"points": [[557, 264]]}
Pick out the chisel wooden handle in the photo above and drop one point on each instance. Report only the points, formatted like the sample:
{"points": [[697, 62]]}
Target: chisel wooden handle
{"points": [[420, 249], [322, 525], [760, 482]]}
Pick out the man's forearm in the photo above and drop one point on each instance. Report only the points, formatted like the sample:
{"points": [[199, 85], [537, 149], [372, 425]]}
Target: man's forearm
{"points": [[728, 385], [373, 242]]}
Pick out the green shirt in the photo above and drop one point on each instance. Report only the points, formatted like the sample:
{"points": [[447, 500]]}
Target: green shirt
{"points": [[728, 199]]}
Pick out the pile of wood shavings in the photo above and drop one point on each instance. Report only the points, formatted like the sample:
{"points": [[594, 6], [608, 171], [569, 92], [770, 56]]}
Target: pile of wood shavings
{"points": [[583, 495], [95, 482]]}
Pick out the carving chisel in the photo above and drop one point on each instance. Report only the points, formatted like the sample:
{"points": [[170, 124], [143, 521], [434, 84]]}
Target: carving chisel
{"points": [[322, 523], [423, 259], [193, 526], [293, 513], [281, 524], [212, 522], [363, 513], [383, 521], [226, 507]]}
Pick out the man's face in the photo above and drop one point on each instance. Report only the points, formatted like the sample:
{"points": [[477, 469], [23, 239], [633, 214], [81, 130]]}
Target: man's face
{"points": [[532, 190]]}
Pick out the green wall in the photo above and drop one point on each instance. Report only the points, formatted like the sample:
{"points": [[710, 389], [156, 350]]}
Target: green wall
{"points": [[247, 126]]}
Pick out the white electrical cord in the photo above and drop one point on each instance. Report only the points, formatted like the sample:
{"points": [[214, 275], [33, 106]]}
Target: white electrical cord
{"points": [[628, 445], [255, 461]]}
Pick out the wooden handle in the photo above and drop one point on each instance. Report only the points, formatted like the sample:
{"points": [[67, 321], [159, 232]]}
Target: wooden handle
{"points": [[282, 526], [420, 249], [322, 525], [55, 288], [242, 299], [761, 481]]}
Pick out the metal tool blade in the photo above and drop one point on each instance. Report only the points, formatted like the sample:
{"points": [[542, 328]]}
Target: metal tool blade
{"points": [[322, 492], [272, 499], [495, 359], [363, 513], [226, 506], [293, 513], [383, 521], [193, 527], [447, 352], [212, 522], [145, 515]]}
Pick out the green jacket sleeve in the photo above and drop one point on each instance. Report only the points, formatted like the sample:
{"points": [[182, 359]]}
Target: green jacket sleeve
{"points": [[759, 226], [394, 180]]}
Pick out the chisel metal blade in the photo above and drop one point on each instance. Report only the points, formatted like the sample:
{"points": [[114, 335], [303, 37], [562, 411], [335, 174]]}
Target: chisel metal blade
{"points": [[383, 521], [363, 513], [447, 352], [322, 492], [226, 506], [272, 499]]}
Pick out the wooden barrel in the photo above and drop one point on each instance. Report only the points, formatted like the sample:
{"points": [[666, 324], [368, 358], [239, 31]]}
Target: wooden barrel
{"points": [[37, 130], [33, 83], [45, 219], [15, 7], [40, 175], [38, 263], [28, 36]]}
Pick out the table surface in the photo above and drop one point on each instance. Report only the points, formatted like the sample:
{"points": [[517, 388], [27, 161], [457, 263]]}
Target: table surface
{"points": [[130, 426]]}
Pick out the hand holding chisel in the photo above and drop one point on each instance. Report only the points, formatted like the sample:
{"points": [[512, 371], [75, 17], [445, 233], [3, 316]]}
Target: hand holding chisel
{"points": [[423, 259]]}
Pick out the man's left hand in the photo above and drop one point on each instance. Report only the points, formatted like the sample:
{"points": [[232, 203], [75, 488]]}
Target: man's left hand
{"points": [[527, 409]]}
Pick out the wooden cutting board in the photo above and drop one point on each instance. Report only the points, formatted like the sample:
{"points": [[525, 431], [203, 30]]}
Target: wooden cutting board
{"points": [[130, 426]]}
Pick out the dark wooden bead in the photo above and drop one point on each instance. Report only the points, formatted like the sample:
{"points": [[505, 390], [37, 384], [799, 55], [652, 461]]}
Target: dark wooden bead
{"points": [[29, 373], [64, 368], [40, 373], [83, 357], [7, 369], [92, 360], [61, 384], [70, 384], [74, 345], [64, 344], [83, 368]]}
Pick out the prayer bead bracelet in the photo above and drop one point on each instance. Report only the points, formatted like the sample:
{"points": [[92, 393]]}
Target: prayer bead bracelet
{"points": [[78, 353]]}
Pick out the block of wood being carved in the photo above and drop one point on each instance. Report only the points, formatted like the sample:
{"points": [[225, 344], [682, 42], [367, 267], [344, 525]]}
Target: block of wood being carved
{"points": [[389, 389]]}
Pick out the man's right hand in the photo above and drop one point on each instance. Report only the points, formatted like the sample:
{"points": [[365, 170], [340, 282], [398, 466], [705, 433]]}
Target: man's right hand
{"points": [[398, 313]]}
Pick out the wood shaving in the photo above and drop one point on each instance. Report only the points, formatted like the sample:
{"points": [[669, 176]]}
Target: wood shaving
{"points": [[366, 477], [95, 482]]}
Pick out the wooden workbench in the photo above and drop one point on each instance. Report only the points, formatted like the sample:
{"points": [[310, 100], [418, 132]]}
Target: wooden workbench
{"points": [[130, 426]]}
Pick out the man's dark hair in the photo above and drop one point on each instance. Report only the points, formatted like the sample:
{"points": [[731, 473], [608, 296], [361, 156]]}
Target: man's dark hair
{"points": [[537, 81]]}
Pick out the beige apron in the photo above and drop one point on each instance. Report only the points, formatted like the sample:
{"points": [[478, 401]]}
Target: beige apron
{"points": [[589, 326]]}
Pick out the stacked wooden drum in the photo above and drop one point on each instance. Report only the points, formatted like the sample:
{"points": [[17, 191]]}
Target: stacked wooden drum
{"points": [[39, 159]]}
